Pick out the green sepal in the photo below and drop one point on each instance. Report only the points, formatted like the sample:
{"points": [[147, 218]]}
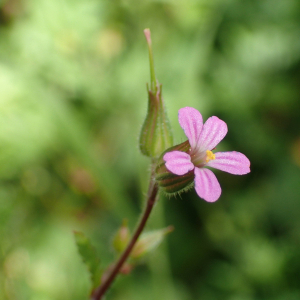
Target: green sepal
{"points": [[89, 256], [149, 241], [156, 135], [172, 183]]}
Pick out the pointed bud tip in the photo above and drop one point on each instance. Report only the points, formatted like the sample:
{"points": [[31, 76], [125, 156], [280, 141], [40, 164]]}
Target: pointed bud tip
{"points": [[148, 35]]}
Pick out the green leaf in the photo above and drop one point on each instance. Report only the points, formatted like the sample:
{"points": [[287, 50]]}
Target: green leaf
{"points": [[149, 241], [89, 256]]}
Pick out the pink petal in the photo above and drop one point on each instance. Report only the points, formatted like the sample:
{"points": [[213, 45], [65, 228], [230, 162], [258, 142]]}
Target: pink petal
{"points": [[231, 162], [191, 122], [214, 130], [207, 185], [178, 162]]}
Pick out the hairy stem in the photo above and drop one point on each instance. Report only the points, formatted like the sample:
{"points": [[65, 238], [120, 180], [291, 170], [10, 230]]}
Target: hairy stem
{"points": [[151, 199]]}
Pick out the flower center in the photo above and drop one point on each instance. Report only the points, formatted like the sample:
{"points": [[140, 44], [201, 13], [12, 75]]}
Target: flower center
{"points": [[209, 156], [200, 159]]}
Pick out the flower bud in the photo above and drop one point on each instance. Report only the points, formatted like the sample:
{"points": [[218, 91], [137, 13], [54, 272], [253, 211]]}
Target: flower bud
{"points": [[170, 182], [156, 135], [121, 239]]}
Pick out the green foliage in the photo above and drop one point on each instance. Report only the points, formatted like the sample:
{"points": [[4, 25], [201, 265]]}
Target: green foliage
{"points": [[72, 103], [89, 256]]}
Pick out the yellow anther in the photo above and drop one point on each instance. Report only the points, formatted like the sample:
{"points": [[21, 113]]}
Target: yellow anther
{"points": [[209, 156]]}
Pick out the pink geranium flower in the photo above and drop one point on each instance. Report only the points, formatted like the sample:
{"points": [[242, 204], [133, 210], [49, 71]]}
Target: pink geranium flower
{"points": [[203, 139]]}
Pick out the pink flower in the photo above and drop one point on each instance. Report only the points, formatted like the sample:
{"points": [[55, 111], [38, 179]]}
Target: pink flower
{"points": [[203, 139]]}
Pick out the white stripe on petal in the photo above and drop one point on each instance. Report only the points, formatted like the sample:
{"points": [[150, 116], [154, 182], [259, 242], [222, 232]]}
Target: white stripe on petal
{"points": [[231, 162], [178, 162], [207, 185], [191, 122], [213, 132]]}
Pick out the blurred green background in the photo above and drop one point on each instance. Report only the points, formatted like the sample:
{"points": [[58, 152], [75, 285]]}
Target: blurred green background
{"points": [[72, 102]]}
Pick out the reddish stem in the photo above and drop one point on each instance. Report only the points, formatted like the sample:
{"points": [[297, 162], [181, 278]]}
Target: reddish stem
{"points": [[152, 195]]}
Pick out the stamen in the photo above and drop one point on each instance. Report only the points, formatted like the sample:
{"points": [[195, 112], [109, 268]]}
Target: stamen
{"points": [[209, 156]]}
